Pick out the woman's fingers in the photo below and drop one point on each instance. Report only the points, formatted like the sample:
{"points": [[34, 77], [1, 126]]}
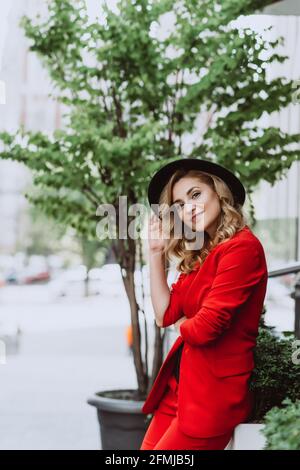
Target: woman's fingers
{"points": [[154, 220], [155, 228]]}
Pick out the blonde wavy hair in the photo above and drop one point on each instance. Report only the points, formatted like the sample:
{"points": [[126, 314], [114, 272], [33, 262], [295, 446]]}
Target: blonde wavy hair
{"points": [[231, 220]]}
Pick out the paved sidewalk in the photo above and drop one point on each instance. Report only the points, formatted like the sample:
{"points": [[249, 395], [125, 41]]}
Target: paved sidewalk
{"points": [[44, 389], [70, 348]]}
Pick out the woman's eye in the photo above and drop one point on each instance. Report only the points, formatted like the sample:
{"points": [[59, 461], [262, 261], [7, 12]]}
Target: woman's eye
{"points": [[179, 205]]}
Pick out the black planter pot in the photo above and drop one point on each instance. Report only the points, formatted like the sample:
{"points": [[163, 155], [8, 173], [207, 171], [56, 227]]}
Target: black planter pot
{"points": [[121, 420]]}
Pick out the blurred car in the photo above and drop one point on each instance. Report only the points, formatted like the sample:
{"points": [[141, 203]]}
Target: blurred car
{"points": [[111, 282], [95, 274], [11, 278], [2, 281], [69, 282], [63, 283], [107, 279], [37, 277]]}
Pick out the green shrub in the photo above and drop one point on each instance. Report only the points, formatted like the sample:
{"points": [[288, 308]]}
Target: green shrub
{"points": [[275, 376], [282, 426]]}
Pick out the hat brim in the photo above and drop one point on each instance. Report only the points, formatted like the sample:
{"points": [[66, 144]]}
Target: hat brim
{"points": [[162, 176]]}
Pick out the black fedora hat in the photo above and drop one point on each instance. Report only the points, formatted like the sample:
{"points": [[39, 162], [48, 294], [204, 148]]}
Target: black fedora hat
{"points": [[162, 176]]}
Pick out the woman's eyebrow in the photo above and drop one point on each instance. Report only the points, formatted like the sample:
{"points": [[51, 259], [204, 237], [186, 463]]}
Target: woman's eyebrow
{"points": [[187, 193]]}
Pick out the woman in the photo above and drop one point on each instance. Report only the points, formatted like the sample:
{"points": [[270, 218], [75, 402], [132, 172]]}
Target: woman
{"points": [[215, 306]]}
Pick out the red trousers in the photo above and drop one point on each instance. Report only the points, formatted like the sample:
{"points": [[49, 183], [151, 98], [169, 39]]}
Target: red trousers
{"points": [[163, 432]]}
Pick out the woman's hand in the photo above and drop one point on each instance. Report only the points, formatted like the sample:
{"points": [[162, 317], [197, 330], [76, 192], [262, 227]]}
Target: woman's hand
{"points": [[178, 323], [155, 235]]}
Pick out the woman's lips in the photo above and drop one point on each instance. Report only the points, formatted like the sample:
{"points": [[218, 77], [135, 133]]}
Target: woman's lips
{"points": [[194, 216]]}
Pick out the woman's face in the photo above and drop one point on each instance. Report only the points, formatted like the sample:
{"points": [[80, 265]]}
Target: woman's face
{"points": [[197, 204]]}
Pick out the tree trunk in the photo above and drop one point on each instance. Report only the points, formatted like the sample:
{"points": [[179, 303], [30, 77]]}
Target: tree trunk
{"points": [[125, 252], [158, 348]]}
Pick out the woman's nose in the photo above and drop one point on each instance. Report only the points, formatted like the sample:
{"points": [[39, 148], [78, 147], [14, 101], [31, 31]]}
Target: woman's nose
{"points": [[190, 206]]}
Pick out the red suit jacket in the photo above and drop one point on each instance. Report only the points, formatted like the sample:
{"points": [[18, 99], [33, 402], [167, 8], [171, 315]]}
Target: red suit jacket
{"points": [[222, 300]]}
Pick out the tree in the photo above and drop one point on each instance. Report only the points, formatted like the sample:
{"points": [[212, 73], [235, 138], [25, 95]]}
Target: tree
{"points": [[133, 99], [39, 235], [92, 255]]}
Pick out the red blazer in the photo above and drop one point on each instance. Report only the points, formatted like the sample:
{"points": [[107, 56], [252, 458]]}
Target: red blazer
{"points": [[222, 300]]}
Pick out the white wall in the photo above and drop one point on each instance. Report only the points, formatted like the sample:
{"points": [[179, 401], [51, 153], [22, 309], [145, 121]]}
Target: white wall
{"points": [[27, 103], [283, 198]]}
